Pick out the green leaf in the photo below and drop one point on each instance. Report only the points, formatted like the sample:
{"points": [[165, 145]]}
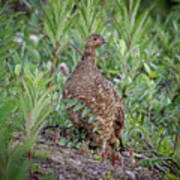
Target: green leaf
{"points": [[134, 13], [78, 107], [147, 68], [34, 54], [6, 107], [91, 118], [18, 68], [85, 111], [70, 102], [96, 127]]}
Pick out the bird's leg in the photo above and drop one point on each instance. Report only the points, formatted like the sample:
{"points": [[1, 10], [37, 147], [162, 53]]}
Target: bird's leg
{"points": [[105, 146], [118, 136], [104, 140], [110, 153], [121, 144], [103, 133], [103, 149], [114, 157]]}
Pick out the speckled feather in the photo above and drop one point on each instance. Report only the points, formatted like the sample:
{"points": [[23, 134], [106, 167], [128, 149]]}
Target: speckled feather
{"points": [[89, 87]]}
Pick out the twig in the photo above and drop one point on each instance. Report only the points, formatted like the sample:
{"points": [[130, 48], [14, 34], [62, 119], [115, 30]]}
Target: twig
{"points": [[169, 166], [49, 127], [176, 138], [29, 156], [172, 161], [159, 168], [77, 50]]}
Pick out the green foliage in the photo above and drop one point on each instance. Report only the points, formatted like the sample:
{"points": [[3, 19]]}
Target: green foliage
{"points": [[91, 118], [150, 162], [170, 176], [35, 103], [12, 156], [96, 127], [85, 112], [11, 153], [142, 58], [70, 102], [57, 19], [89, 20], [78, 107], [6, 30]]}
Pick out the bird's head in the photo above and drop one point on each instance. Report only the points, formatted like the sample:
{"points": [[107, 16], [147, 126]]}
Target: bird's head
{"points": [[94, 41]]}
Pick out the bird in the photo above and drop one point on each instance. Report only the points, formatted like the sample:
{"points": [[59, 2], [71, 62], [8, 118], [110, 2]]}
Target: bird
{"points": [[87, 85]]}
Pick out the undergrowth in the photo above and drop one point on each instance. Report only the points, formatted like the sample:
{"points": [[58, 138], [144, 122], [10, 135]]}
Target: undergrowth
{"points": [[142, 58]]}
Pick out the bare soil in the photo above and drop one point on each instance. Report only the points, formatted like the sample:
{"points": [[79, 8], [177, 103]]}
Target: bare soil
{"points": [[71, 164]]}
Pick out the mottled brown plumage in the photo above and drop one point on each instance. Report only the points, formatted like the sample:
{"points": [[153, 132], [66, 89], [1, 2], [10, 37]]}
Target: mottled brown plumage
{"points": [[89, 87]]}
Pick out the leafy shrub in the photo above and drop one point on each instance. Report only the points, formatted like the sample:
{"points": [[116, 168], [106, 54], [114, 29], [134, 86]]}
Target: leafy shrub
{"points": [[142, 58]]}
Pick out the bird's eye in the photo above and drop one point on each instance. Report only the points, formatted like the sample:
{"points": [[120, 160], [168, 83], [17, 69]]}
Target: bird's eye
{"points": [[95, 39]]}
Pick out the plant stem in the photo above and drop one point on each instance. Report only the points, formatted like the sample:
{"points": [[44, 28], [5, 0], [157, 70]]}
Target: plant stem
{"points": [[176, 138], [29, 156], [53, 61]]}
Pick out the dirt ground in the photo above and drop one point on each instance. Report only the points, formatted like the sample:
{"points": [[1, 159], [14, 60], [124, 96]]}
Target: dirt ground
{"points": [[71, 164]]}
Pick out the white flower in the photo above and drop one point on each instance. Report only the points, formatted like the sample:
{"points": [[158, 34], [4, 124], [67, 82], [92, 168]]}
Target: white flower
{"points": [[34, 38], [64, 68], [18, 40]]}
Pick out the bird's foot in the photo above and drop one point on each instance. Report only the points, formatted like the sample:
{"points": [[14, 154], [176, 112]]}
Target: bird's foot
{"points": [[103, 155], [113, 157]]}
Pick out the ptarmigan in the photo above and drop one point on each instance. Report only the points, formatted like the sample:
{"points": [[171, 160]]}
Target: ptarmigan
{"points": [[99, 95]]}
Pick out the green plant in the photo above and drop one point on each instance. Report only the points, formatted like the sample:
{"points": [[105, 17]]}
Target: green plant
{"points": [[89, 20], [12, 155], [35, 103], [57, 22], [141, 57]]}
